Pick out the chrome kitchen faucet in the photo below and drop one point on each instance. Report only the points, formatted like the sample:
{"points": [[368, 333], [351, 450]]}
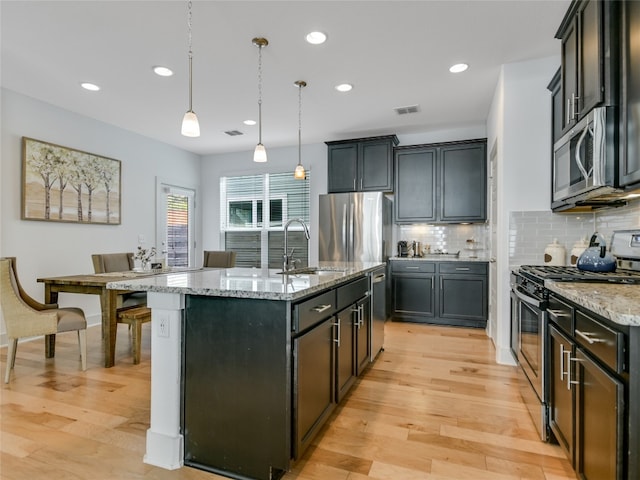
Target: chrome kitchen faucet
{"points": [[287, 259]]}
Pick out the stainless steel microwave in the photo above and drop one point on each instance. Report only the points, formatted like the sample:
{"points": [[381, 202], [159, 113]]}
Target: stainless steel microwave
{"points": [[585, 162]]}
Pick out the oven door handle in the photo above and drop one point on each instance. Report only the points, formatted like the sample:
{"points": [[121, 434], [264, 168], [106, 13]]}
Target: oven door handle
{"points": [[527, 299]]}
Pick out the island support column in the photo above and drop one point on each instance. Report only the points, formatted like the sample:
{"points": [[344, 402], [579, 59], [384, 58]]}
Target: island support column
{"points": [[165, 445]]}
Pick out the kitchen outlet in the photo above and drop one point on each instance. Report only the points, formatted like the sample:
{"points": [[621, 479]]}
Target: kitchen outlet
{"points": [[141, 239], [163, 326]]}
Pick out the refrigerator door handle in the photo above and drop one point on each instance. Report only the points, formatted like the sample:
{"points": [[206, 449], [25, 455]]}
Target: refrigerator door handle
{"points": [[344, 227], [351, 228]]}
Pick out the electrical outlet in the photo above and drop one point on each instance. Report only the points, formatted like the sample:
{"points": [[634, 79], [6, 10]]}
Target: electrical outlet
{"points": [[163, 326], [141, 238]]}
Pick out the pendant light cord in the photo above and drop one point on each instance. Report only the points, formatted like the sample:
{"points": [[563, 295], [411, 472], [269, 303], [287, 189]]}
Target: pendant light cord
{"points": [[299, 123], [259, 93], [190, 60]]}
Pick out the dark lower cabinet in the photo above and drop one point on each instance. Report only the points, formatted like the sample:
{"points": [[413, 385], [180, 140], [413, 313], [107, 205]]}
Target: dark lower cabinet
{"points": [[313, 394], [345, 351], [446, 293], [592, 413], [561, 400], [599, 418]]}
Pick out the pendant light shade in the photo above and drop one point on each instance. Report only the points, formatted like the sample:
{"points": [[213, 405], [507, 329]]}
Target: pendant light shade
{"points": [[260, 153], [299, 173], [190, 125]]}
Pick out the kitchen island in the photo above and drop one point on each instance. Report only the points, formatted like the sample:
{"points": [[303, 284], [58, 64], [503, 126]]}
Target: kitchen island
{"points": [[247, 364]]}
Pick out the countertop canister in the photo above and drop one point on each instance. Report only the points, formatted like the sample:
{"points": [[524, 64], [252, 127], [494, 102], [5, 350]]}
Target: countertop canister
{"points": [[554, 254], [578, 247]]}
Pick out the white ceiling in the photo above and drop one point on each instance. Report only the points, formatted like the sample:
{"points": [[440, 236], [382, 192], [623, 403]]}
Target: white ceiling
{"points": [[395, 53]]}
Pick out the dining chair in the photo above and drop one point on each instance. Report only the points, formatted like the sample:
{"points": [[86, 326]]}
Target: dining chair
{"points": [[219, 258], [26, 317], [119, 262]]}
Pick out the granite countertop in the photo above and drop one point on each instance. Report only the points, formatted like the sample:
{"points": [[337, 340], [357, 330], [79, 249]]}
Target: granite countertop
{"points": [[441, 258], [256, 283], [619, 303]]}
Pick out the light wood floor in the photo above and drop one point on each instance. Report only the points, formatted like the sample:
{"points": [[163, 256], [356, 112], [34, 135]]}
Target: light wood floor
{"points": [[434, 406]]}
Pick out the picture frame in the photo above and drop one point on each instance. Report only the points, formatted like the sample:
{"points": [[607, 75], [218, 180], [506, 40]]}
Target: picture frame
{"points": [[62, 184]]}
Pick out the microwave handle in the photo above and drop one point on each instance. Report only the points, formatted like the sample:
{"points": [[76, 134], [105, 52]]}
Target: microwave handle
{"points": [[577, 154]]}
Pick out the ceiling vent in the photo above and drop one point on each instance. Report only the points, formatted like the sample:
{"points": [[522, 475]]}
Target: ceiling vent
{"points": [[234, 133], [408, 109]]}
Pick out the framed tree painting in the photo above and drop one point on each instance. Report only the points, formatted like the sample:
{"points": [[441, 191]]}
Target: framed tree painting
{"points": [[61, 184]]}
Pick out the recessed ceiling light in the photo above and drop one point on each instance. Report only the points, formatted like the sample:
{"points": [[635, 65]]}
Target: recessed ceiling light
{"points": [[458, 67], [90, 86], [316, 38], [344, 87], [249, 122], [162, 71]]}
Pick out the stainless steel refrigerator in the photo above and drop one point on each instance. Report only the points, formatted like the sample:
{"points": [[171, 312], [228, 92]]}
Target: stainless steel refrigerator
{"points": [[356, 227]]}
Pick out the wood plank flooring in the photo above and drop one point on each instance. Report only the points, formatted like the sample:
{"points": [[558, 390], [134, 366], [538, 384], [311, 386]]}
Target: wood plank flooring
{"points": [[434, 406]]}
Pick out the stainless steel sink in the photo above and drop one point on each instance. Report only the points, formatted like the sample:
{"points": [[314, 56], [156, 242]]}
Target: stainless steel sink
{"points": [[313, 271]]}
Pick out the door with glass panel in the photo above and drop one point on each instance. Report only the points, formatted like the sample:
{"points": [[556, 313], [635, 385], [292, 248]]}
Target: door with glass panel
{"points": [[175, 238]]}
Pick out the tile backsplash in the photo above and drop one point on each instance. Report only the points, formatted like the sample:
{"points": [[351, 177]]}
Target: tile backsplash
{"points": [[530, 232], [449, 238]]}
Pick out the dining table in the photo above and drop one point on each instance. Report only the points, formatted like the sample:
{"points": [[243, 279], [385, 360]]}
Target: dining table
{"points": [[110, 301]]}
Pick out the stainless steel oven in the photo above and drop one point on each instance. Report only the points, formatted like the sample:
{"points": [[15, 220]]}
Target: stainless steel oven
{"points": [[529, 330]]}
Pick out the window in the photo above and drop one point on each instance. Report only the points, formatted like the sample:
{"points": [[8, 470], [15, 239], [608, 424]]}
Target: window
{"points": [[251, 230]]}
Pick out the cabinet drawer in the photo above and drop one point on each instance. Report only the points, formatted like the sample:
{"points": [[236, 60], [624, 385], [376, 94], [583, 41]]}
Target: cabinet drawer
{"points": [[561, 314], [310, 312], [408, 266], [470, 268], [350, 293], [600, 340]]}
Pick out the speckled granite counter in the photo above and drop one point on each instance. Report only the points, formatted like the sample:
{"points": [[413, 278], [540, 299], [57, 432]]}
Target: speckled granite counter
{"points": [[440, 258], [256, 283], [618, 303]]}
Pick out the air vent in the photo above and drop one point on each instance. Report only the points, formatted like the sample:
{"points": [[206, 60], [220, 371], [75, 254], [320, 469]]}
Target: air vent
{"points": [[408, 109], [234, 133]]}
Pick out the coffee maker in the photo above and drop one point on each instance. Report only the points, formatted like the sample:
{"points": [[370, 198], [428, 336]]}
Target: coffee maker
{"points": [[403, 248]]}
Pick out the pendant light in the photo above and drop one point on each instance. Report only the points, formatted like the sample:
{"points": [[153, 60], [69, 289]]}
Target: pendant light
{"points": [[190, 125], [260, 154], [299, 173]]}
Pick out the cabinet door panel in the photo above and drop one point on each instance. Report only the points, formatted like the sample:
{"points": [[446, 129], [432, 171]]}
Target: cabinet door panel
{"points": [[345, 356], [599, 421], [591, 93], [562, 393], [630, 153], [342, 168], [414, 295], [375, 168], [463, 182], [569, 74], [313, 397], [415, 185], [363, 344], [463, 297]]}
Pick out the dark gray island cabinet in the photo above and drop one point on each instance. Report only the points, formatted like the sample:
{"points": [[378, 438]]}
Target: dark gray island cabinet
{"points": [[264, 359]]}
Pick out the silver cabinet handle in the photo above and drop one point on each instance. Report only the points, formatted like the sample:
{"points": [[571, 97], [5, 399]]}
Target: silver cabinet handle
{"points": [[321, 308], [354, 184], [379, 278], [588, 336], [562, 352], [558, 313], [412, 268], [337, 339], [360, 183], [463, 269], [568, 110]]}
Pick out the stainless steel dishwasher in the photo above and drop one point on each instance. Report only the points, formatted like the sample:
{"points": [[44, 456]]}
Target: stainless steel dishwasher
{"points": [[378, 309]]}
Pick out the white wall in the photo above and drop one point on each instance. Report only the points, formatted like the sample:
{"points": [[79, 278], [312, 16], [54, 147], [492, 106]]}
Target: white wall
{"points": [[51, 249], [519, 125]]}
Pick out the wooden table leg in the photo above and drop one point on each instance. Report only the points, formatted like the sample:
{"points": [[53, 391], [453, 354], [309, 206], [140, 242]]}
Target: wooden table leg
{"points": [[50, 340], [109, 302]]}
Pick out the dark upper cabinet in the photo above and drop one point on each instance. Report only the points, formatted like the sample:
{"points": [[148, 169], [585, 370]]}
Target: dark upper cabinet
{"points": [[630, 111], [441, 183], [361, 165], [589, 43], [415, 172], [556, 107], [582, 49]]}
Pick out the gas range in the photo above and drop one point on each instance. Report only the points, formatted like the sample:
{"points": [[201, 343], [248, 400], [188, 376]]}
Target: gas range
{"points": [[540, 273]]}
